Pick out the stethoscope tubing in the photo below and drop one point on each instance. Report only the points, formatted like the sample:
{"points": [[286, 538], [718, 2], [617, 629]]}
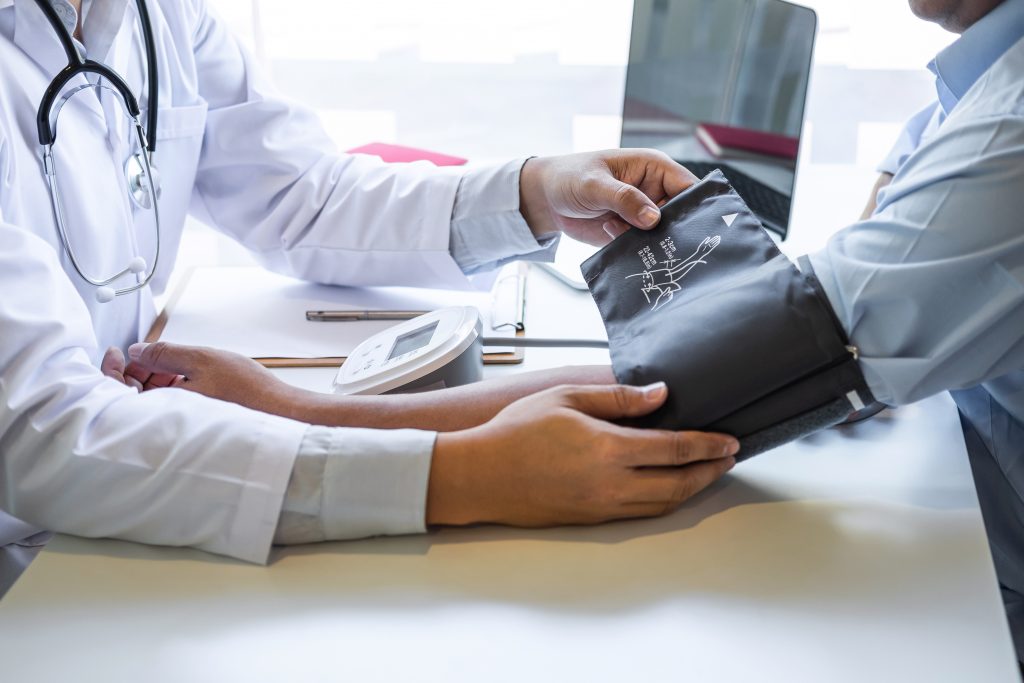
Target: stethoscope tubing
{"points": [[50, 171], [46, 125], [79, 65]]}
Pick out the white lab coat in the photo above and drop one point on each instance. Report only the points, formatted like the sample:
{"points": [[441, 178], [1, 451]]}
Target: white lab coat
{"points": [[82, 454]]}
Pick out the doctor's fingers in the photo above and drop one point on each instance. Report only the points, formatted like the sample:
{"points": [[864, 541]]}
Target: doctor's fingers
{"points": [[113, 366], [162, 380], [149, 380], [658, 491], [167, 359], [655, 173], [612, 401], [663, 448], [605, 192], [615, 226]]}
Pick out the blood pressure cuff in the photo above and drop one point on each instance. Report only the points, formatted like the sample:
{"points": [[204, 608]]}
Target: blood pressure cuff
{"points": [[747, 343]]}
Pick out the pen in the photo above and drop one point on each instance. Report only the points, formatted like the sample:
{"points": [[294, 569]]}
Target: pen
{"points": [[356, 316]]}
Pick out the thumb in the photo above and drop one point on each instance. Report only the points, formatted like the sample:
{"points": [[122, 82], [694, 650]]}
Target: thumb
{"points": [[618, 400], [161, 357], [632, 205], [112, 364]]}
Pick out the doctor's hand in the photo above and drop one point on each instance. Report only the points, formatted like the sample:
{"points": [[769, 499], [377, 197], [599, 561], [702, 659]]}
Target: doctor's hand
{"points": [[555, 458], [596, 196]]}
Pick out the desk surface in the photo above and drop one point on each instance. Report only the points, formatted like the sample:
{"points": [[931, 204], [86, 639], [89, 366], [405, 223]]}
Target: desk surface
{"points": [[856, 554]]}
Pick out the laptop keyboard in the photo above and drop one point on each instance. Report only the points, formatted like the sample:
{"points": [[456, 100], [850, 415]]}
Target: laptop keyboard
{"points": [[771, 206]]}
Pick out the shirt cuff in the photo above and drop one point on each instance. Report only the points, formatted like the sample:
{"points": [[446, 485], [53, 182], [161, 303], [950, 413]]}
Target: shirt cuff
{"points": [[487, 229], [821, 264], [353, 483]]}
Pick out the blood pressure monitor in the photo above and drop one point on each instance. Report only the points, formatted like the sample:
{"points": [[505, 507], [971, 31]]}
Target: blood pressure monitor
{"points": [[440, 349]]}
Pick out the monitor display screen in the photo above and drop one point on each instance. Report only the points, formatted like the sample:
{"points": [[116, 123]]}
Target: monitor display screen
{"points": [[410, 341], [723, 84]]}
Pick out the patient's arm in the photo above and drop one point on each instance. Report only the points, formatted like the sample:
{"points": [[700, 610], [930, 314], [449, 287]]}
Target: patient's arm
{"points": [[235, 378], [443, 410]]}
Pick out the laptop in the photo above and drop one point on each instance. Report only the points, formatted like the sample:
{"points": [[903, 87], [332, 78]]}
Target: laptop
{"points": [[718, 84]]}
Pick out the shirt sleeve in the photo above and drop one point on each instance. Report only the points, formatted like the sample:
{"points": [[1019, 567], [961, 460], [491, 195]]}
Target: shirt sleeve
{"points": [[910, 138], [352, 483], [487, 228], [931, 288]]}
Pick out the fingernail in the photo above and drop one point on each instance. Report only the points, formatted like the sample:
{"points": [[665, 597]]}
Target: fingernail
{"points": [[655, 392], [732, 447], [135, 350], [607, 227], [649, 216]]}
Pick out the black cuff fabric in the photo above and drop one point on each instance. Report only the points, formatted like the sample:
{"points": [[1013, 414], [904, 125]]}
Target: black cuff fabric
{"points": [[706, 302]]}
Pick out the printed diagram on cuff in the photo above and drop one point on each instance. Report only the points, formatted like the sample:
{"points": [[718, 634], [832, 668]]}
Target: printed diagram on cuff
{"points": [[659, 285]]}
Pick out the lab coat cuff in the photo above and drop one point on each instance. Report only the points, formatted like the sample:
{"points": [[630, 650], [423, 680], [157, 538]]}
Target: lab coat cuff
{"points": [[353, 483], [259, 505], [487, 228]]}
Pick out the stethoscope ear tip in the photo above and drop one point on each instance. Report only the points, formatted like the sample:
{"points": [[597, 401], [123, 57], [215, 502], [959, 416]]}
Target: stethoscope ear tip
{"points": [[137, 265], [105, 294]]}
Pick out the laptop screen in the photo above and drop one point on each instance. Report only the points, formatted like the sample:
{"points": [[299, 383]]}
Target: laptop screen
{"points": [[722, 84]]}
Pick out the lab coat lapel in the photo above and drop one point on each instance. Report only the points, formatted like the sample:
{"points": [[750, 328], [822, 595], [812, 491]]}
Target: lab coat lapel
{"points": [[103, 24], [34, 36], [115, 43], [105, 28]]}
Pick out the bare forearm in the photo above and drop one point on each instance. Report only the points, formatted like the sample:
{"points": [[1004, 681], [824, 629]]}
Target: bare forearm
{"points": [[443, 410]]}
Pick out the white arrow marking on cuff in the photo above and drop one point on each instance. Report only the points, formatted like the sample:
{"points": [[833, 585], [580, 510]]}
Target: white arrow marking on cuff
{"points": [[729, 219]]}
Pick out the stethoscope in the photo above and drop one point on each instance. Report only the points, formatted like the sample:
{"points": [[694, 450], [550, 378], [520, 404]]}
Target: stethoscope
{"points": [[143, 181]]}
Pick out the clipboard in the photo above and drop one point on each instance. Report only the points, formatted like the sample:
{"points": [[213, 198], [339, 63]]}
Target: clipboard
{"points": [[198, 311]]}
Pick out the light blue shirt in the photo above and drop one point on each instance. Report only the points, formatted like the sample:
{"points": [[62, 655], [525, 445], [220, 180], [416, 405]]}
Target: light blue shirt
{"points": [[931, 287]]}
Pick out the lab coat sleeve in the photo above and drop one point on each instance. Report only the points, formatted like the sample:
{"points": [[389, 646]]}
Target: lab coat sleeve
{"points": [[352, 483], [83, 454], [270, 177], [931, 287], [488, 229]]}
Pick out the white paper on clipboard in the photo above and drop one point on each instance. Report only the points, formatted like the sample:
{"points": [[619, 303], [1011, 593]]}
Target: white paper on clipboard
{"points": [[261, 314], [507, 306]]}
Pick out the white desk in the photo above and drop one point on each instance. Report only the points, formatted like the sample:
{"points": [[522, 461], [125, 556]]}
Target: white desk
{"points": [[854, 555]]}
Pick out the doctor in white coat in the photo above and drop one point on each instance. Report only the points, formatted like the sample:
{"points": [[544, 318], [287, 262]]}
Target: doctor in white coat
{"points": [[83, 454]]}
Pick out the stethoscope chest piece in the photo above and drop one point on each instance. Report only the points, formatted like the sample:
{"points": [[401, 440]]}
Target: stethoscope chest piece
{"points": [[138, 185]]}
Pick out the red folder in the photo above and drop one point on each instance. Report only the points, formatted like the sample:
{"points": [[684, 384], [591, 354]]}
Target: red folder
{"points": [[401, 154], [721, 140]]}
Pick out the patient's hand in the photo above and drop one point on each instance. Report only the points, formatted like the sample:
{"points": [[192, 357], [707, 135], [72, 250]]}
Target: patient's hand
{"points": [[218, 374]]}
